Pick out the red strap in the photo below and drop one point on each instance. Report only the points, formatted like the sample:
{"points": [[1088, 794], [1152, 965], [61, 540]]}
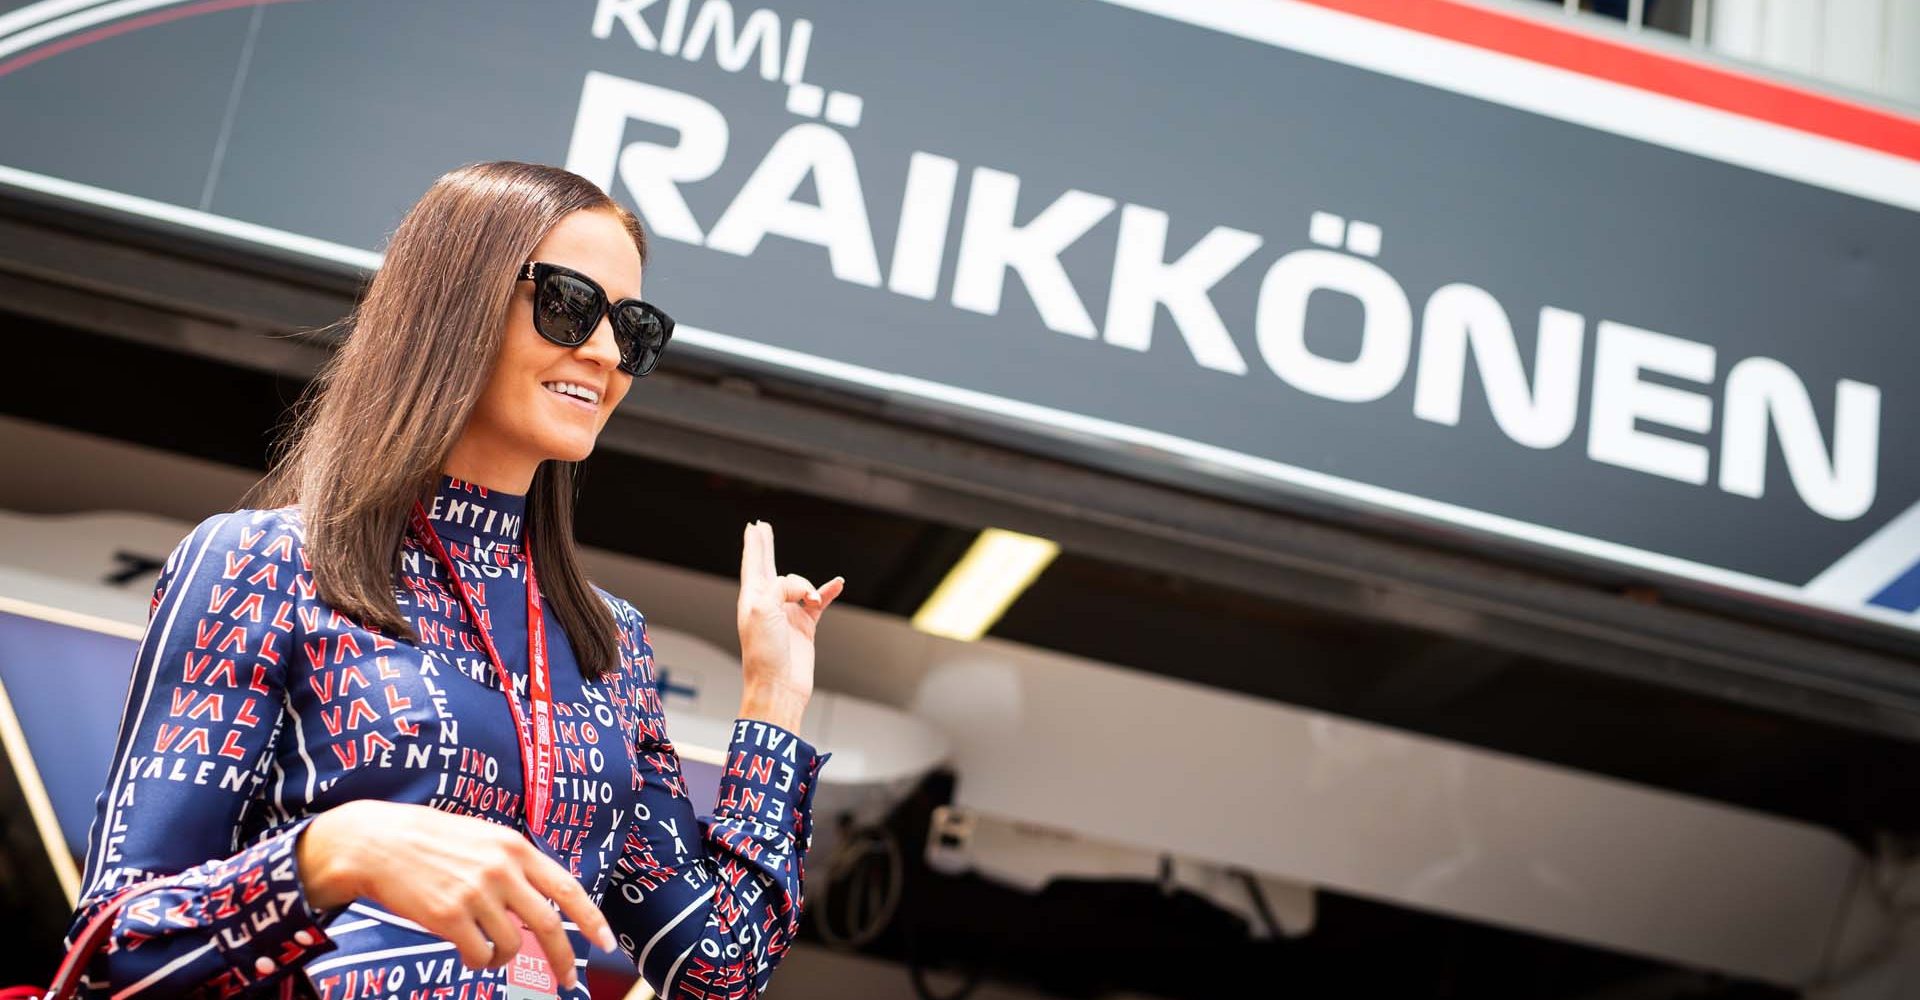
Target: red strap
{"points": [[535, 733], [66, 980]]}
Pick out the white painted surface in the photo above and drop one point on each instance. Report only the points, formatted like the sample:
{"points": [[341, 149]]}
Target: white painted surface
{"points": [[1872, 46], [1386, 814]]}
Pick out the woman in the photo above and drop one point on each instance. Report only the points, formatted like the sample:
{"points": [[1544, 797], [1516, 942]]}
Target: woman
{"points": [[320, 781]]}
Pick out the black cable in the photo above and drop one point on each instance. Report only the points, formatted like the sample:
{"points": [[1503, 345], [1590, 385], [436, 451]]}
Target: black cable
{"points": [[1259, 897], [873, 893]]}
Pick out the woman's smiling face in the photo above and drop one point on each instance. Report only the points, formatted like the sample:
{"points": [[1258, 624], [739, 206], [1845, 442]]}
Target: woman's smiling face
{"points": [[520, 419]]}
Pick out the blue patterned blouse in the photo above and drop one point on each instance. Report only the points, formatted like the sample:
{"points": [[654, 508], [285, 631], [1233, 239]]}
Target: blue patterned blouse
{"points": [[254, 706]]}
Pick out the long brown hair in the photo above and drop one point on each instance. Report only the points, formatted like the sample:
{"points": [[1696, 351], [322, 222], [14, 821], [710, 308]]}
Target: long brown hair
{"points": [[372, 431]]}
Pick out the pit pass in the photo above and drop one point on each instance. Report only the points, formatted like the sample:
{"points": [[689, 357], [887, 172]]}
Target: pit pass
{"points": [[530, 976]]}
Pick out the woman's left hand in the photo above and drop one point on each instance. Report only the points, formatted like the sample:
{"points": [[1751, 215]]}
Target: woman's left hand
{"points": [[777, 615]]}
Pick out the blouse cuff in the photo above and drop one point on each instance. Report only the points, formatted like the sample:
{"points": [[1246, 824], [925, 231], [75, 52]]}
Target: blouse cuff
{"points": [[769, 779], [253, 904]]}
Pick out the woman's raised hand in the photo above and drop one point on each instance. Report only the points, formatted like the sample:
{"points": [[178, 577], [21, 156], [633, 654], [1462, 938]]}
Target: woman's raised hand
{"points": [[777, 615], [470, 881]]}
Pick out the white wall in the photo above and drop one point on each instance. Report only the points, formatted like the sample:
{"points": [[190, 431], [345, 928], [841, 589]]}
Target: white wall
{"points": [[1868, 45]]}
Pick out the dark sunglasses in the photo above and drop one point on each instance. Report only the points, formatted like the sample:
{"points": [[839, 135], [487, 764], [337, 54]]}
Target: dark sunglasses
{"points": [[567, 307]]}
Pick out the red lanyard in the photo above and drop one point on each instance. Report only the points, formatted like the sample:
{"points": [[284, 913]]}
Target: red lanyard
{"points": [[536, 747]]}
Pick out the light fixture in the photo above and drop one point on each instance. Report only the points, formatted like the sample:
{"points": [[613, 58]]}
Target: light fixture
{"points": [[983, 584]]}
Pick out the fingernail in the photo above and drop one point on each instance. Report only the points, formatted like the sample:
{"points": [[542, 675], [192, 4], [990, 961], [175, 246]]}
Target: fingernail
{"points": [[814, 596], [608, 941]]}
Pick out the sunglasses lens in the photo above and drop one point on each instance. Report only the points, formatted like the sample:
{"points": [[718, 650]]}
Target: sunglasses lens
{"points": [[566, 309], [642, 333]]}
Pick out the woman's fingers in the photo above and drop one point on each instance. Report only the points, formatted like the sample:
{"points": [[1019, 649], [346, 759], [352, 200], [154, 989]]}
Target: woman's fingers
{"points": [[544, 923], [468, 937], [799, 590], [767, 563], [481, 886], [483, 909], [553, 882], [756, 557], [757, 572], [750, 576]]}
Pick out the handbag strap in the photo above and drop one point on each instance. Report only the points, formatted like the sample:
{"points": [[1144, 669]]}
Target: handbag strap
{"points": [[66, 980], [66, 983]]}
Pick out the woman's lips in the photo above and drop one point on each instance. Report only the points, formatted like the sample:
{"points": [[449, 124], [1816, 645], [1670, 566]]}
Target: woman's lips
{"points": [[574, 400]]}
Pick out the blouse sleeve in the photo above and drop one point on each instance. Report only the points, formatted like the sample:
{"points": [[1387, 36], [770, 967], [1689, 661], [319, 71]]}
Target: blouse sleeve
{"points": [[707, 909], [211, 915]]}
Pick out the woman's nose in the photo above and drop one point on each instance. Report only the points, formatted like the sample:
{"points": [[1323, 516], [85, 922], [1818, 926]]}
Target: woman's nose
{"points": [[602, 347]]}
